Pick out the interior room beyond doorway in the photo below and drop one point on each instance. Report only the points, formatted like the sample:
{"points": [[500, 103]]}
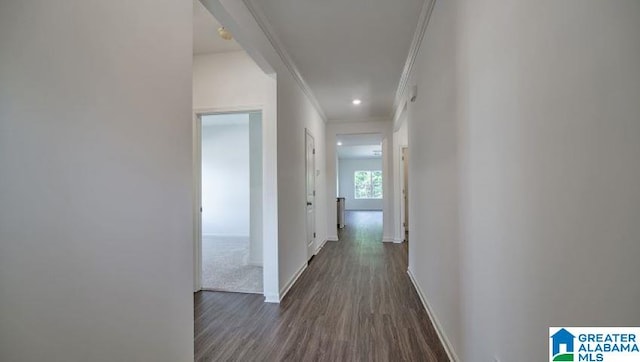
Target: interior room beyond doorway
{"points": [[360, 172], [231, 202]]}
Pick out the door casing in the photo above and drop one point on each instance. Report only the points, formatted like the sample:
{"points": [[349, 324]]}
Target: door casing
{"points": [[197, 184]]}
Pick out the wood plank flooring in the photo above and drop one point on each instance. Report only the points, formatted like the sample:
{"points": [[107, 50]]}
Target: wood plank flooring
{"points": [[354, 302]]}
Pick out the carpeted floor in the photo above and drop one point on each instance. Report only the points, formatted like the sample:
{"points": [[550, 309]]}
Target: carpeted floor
{"points": [[225, 265]]}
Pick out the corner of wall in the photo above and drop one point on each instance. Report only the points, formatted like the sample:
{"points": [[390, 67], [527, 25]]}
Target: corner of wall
{"points": [[453, 357], [285, 289]]}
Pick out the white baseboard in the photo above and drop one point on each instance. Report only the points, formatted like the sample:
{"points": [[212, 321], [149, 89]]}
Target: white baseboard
{"points": [[333, 238], [292, 281], [387, 240], [271, 298], [320, 247], [434, 320], [398, 241]]}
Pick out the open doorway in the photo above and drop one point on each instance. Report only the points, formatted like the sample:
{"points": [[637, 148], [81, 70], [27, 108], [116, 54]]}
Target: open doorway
{"points": [[360, 178], [232, 79], [231, 201]]}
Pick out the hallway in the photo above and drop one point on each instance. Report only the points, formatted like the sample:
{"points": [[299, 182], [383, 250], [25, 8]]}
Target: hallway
{"points": [[354, 302]]}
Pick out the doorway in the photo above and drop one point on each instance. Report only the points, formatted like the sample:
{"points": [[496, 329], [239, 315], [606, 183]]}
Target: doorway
{"points": [[360, 176], [230, 165]]}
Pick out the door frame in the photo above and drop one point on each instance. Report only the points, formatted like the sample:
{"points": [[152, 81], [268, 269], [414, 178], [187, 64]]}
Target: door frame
{"points": [[310, 252], [197, 183]]}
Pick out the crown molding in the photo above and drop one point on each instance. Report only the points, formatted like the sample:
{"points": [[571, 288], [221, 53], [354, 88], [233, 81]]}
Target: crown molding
{"points": [[421, 28], [359, 120], [276, 43]]}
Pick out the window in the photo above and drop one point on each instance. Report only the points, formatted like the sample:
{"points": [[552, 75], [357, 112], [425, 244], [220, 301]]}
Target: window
{"points": [[368, 184]]}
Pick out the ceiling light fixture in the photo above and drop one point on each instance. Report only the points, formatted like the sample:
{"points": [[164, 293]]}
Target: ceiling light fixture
{"points": [[339, 143], [356, 102], [224, 33]]}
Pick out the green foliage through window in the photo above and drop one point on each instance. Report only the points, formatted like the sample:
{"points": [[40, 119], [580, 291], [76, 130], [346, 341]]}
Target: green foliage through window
{"points": [[368, 184]]}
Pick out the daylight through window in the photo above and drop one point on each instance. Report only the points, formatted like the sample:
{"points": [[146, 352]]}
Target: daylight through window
{"points": [[368, 184]]}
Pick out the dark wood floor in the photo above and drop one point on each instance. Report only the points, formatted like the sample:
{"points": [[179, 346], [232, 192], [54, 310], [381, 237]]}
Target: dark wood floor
{"points": [[354, 302]]}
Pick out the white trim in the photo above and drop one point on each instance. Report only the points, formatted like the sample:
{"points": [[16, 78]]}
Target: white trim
{"points": [[272, 298], [388, 240], [230, 109], [398, 241], [359, 120], [320, 247], [423, 22], [197, 201], [292, 281], [276, 43], [333, 238], [197, 191], [434, 321]]}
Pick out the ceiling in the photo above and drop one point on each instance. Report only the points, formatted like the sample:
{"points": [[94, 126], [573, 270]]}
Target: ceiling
{"points": [[205, 33], [359, 145], [360, 139], [345, 152], [345, 49]]}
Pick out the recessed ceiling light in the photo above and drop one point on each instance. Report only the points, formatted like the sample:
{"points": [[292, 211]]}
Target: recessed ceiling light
{"points": [[339, 143], [356, 102]]}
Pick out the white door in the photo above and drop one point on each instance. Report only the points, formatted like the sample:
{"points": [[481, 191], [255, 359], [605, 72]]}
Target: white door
{"points": [[311, 193], [405, 191]]}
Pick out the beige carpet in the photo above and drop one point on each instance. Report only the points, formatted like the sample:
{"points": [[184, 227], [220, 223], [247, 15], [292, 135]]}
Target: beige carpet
{"points": [[225, 265]]}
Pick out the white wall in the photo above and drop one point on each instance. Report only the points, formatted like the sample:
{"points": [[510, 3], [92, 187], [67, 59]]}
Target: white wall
{"points": [[553, 171], [434, 227], [335, 128], [346, 169], [95, 194], [295, 113], [225, 175], [524, 138], [230, 82]]}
